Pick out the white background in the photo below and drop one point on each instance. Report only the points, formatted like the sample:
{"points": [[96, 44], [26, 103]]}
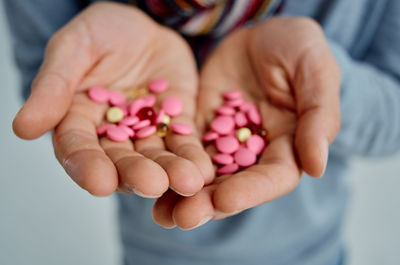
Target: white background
{"points": [[46, 219]]}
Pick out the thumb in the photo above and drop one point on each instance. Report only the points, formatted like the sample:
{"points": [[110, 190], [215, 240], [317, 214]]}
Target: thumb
{"points": [[66, 61]]}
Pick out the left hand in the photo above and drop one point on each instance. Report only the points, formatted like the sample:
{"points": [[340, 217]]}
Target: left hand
{"points": [[283, 65]]}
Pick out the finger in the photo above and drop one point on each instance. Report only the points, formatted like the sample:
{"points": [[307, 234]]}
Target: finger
{"points": [[192, 212], [78, 151], [275, 175], [163, 208], [317, 88], [190, 148], [67, 59], [137, 174], [184, 177]]}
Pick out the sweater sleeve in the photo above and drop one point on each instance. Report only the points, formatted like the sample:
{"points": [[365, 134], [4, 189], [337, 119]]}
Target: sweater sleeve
{"points": [[32, 23], [370, 92]]}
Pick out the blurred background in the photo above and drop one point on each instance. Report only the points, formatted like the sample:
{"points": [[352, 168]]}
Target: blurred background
{"points": [[46, 219]]}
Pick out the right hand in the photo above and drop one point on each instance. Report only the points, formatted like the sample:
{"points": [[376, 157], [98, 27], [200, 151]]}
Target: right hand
{"points": [[117, 47]]}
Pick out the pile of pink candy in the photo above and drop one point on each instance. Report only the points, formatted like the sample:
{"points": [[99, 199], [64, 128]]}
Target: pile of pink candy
{"points": [[237, 134], [138, 119]]}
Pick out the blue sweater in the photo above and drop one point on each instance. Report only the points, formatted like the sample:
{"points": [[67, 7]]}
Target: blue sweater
{"points": [[305, 226]]}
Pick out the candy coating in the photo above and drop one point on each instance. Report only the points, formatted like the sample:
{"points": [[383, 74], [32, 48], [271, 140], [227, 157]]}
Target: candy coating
{"points": [[227, 144], [181, 128], [141, 124], [158, 86], [223, 125], [222, 159], [172, 106], [98, 94], [116, 98], [114, 114], [146, 132], [228, 169], [244, 157], [117, 134], [256, 144]]}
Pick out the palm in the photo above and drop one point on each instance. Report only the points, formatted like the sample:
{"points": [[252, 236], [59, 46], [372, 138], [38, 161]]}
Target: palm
{"points": [[128, 50], [277, 171]]}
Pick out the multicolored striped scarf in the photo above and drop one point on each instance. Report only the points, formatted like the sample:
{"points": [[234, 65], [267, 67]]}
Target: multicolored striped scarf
{"points": [[213, 18]]}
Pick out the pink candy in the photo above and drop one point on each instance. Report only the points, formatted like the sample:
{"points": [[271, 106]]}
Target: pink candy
{"points": [[117, 134], [116, 98], [98, 94], [181, 128], [236, 119], [141, 125], [172, 106], [222, 159], [256, 144], [228, 169], [158, 86], [210, 136], [227, 144], [223, 125], [146, 132], [140, 119], [244, 157]]}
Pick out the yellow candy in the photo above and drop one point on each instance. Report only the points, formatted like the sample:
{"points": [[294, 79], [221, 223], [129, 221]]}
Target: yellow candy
{"points": [[243, 134], [162, 129], [166, 119], [137, 93], [114, 114]]}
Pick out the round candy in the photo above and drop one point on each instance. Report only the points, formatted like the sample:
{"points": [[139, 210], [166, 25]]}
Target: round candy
{"points": [[172, 106], [228, 169], [141, 124], [244, 157], [222, 159], [210, 136], [116, 98], [246, 106], [181, 128], [235, 102], [129, 121], [149, 100], [146, 132], [256, 144], [233, 94], [98, 94], [162, 129], [136, 105], [225, 110], [160, 116], [240, 119], [103, 128], [227, 144], [243, 134], [254, 116], [158, 86], [114, 114], [147, 113], [166, 119], [128, 130], [117, 134], [223, 124]]}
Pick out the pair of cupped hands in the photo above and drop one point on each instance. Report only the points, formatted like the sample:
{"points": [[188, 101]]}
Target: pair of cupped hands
{"points": [[283, 65]]}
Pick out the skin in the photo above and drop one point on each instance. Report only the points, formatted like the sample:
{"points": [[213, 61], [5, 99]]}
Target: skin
{"points": [[121, 48], [291, 75], [284, 66]]}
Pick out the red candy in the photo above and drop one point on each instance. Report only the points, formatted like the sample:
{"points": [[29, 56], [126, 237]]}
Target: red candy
{"points": [[147, 113]]}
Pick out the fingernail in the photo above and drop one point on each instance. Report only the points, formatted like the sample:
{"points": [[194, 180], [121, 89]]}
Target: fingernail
{"points": [[221, 215], [135, 191], [184, 195], [202, 222], [324, 155]]}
